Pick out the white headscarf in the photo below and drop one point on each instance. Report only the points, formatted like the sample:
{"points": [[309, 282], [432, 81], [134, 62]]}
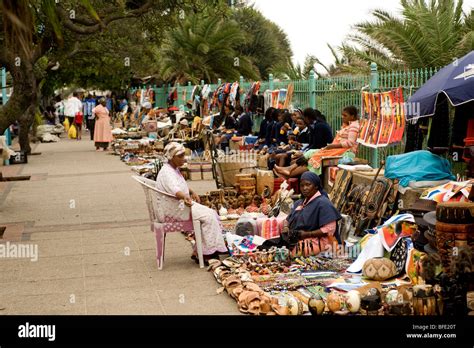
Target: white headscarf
{"points": [[173, 149]]}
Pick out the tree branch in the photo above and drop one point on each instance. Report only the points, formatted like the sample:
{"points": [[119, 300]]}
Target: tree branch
{"points": [[91, 29], [91, 22]]}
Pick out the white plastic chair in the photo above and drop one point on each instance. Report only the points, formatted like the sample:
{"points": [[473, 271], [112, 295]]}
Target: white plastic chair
{"points": [[168, 214]]}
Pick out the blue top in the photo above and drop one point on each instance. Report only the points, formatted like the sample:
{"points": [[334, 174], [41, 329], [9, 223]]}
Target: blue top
{"points": [[244, 124], [317, 213], [280, 138], [320, 135], [88, 105], [269, 133], [108, 103], [263, 129]]}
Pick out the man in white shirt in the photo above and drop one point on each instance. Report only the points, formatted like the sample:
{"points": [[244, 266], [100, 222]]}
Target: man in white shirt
{"points": [[72, 106]]}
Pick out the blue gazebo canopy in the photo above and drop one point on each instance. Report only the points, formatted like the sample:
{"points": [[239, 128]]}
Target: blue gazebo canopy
{"points": [[455, 80]]}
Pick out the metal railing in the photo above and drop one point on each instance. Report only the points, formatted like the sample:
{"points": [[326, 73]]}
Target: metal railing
{"points": [[329, 95]]}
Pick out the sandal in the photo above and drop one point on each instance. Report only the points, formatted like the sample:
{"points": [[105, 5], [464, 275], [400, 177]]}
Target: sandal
{"points": [[237, 292], [254, 307], [249, 302], [280, 310], [231, 283], [231, 262], [223, 276], [213, 264], [266, 308], [221, 273], [253, 287]]}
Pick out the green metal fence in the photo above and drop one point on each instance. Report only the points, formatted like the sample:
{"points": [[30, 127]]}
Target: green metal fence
{"points": [[329, 95]]}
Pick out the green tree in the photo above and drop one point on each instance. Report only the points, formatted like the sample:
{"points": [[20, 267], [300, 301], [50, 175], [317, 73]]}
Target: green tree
{"points": [[297, 71], [203, 47], [267, 44], [39, 34]]}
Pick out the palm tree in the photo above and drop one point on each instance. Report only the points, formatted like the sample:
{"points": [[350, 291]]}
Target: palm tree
{"points": [[291, 71], [428, 34], [203, 48]]}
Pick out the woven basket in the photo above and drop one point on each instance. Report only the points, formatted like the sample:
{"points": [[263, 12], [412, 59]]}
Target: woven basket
{"points": [[247, 189], [247, 181]]}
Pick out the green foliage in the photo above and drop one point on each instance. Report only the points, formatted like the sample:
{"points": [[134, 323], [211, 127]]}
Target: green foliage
{"points": [[267, 45], [203, 47], [428, 34], [296, 72]]}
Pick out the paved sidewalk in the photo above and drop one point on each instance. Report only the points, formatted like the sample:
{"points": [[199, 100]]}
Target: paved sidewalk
{"points": [[96, 254]]}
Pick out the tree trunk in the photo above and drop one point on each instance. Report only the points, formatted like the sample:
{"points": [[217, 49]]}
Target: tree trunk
{"points": [[22, 104], [26, 121]]}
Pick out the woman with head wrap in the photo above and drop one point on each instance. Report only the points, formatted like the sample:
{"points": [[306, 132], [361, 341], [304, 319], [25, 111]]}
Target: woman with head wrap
{"points": [[102, 129], [312, 224], [170, 180]]}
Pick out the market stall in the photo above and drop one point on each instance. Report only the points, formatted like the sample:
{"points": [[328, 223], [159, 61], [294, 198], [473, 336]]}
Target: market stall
{"points": [[405, 233]]}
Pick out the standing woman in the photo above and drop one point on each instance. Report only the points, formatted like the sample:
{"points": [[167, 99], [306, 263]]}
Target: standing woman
{"points": [[102, 131]]}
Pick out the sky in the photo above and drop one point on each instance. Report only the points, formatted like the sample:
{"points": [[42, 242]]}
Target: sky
{"points": [[311, 24]]}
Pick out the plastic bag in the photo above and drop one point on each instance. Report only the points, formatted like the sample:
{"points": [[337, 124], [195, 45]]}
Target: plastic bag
{"points": [[72, 133], [66, 125]]}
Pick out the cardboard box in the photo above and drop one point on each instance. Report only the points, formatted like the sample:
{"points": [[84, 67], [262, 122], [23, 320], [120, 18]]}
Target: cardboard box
{"points": [[195, 172], [206, 169]]}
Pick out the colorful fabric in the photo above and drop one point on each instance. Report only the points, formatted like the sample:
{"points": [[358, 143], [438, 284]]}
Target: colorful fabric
{"points": [[173, 149], [372, 247], [382, 118], [414, 265], [316, 159], [452, 191], [395, 228], [399, 255], [347, 136], [417, 166]]}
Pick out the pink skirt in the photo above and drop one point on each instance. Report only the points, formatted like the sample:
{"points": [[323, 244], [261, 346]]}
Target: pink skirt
{"points": [[103, 131]]}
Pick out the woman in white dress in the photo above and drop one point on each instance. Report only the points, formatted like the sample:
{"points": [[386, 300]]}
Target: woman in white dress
{"points": [[170, 180]]}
